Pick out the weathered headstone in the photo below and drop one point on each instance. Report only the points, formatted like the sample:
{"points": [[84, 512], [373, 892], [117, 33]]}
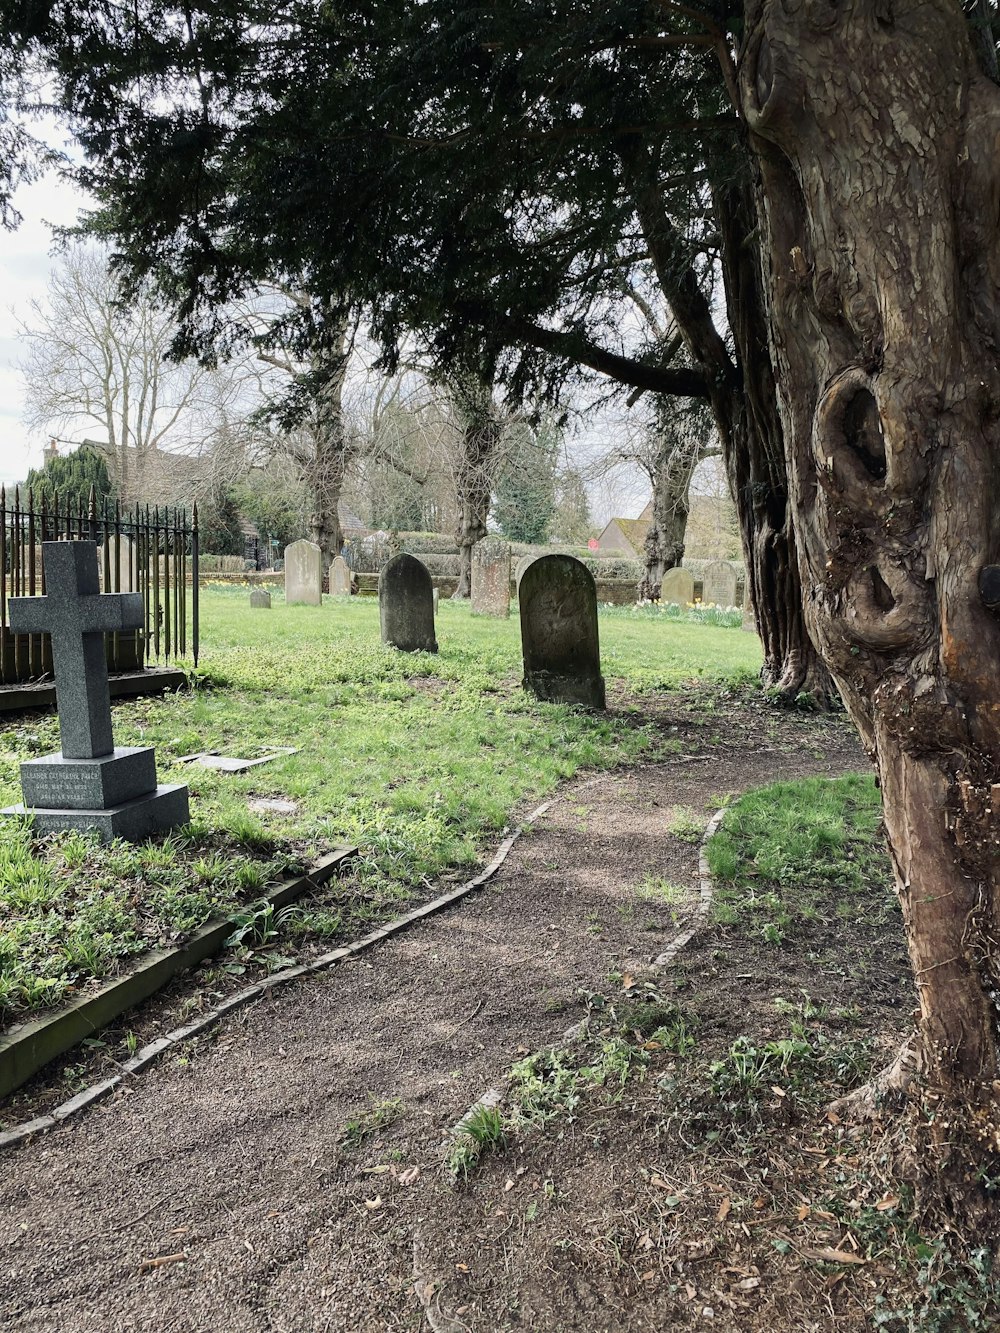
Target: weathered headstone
{"points": [[340, 577], [677, 587], [260, 599], [491, 578], [90, 785], [437, 602], [303, 574], [406, 605], [559, 640], [719, 583], [117, 556]]}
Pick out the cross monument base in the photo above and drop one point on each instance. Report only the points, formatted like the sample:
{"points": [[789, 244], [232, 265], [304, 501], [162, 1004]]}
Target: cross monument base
{"points": [[156, 812], [57, 783]]}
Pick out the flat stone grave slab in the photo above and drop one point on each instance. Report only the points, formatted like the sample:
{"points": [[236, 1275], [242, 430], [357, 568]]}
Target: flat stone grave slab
{"points": [[272, 805], [225, 763]]}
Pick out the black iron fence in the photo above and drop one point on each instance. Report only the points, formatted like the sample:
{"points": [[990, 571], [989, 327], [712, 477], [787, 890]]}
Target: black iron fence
{"points": [[152, 551]]}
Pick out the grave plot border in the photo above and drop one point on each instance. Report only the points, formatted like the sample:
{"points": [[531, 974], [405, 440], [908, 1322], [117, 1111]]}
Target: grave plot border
{"points": [[41, 1124], [28, 1048]]}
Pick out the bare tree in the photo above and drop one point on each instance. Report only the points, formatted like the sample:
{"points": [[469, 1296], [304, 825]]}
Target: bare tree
{"points": [[95, 364], [307, 399]]}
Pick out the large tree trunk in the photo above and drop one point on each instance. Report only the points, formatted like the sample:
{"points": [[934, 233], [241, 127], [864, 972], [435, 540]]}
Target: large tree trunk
{"points": [[673, 469], [474, 469], [755, 462], [331, 446], [740, 393], [876, 137]]}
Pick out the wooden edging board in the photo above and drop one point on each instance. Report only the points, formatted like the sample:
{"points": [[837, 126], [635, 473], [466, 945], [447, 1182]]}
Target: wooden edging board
{"points": [[29, 1047]]}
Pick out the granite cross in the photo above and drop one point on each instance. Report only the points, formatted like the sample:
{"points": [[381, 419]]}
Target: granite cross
{"points": [[77, 615]]}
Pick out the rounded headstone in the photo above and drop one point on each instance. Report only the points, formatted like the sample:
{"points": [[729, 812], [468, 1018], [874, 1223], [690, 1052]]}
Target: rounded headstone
{"points": [[304, 573], [406, 605], [260, 599], [559, 639], [340, 577], [677, 587], [719, 584], [524, 563]]}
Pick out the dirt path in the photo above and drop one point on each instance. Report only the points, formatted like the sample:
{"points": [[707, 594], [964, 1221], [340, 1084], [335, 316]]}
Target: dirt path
{"points": [[232, 1166]]}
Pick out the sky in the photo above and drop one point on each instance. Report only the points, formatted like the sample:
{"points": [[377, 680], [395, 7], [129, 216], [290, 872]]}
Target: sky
{"points": [[25, 262]]}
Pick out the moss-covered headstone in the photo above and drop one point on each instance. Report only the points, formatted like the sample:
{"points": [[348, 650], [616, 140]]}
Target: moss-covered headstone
{"points": [[406, 605], [562, 655]]}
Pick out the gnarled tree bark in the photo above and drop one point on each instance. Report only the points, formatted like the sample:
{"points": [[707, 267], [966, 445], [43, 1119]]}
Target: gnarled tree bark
{"points": [[877, 140], [670, 469], [740, 393]]}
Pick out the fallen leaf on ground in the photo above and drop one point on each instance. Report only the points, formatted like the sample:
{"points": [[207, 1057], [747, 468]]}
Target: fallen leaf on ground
{"points": [[890, 1201], [374, 1203], [724, 1208], [832, 1256]]}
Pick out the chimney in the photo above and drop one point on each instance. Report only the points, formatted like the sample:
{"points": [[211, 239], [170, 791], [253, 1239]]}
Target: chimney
{"points": [[50, 451]]}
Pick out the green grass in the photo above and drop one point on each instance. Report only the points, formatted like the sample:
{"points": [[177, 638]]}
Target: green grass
{"points": [[419, 759], [797, 852]]}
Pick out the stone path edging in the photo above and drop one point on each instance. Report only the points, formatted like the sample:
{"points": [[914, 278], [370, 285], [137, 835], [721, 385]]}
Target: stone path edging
{"points": [[149, 1053]]}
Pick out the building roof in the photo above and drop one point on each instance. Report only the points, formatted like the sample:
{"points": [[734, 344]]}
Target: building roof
{"points": [[634, 531]]}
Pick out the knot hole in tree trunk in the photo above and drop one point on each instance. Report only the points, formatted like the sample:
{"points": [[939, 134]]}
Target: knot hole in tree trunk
{"points": [[849, 439]]}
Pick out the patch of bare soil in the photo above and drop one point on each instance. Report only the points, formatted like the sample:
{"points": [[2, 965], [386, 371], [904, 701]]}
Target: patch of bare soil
{"points": [[283, 1172]]}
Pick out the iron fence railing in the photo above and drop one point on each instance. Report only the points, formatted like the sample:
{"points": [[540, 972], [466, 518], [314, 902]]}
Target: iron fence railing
{"points": [[149, 550]]}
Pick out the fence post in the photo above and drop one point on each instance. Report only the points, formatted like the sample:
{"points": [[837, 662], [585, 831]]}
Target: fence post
{"points": [[194, 581]]}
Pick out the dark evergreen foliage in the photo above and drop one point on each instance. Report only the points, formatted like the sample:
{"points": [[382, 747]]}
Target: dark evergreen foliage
{"points": [[468, 171], [71, 477], [525, 500]]}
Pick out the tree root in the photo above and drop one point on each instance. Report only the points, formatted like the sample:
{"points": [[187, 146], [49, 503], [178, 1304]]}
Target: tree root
{"points": [[892, 1084]]}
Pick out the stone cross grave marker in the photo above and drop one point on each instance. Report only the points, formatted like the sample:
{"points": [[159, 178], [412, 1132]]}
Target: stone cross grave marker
{"points": [[719, 584], [677, 587], [406, 605], [559, 640], [491, 578], [304, 573], [340, 577], [90, 785]]}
